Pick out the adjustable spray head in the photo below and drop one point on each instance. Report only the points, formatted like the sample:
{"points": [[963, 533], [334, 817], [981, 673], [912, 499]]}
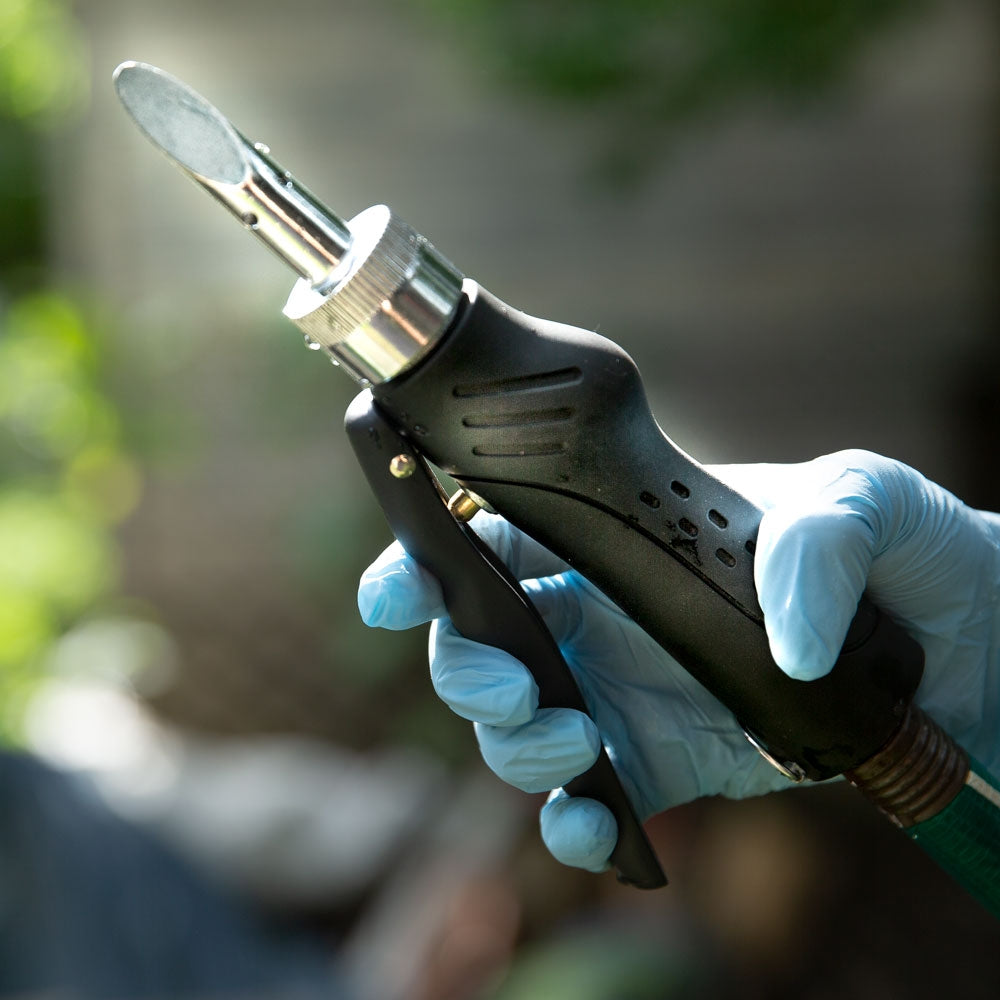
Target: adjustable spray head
{"points": [[372, 291]]}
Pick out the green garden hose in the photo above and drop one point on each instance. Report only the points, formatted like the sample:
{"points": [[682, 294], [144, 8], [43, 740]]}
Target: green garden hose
{"points": [[949, 804]]}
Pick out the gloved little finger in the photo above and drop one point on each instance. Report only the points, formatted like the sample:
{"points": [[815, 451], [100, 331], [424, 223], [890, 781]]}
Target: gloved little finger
{"points": [[545, 753], [578, 832], [479, 682], [397, 593]]}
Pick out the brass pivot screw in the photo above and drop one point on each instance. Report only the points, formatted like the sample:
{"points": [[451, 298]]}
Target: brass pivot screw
{"points": [[402, 466]]}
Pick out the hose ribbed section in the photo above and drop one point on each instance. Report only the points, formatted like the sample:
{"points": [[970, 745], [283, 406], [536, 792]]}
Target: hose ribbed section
{"points": [[916, 774]]}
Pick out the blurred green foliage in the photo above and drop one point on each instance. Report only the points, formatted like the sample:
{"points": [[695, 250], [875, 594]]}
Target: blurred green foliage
{"points": [[658, 64], [42, 61], [65, 481], [43, 80], [64, 476]]}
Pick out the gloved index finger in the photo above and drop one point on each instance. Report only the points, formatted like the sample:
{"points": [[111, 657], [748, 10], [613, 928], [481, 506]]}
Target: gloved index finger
{"points": [[397, 593]]}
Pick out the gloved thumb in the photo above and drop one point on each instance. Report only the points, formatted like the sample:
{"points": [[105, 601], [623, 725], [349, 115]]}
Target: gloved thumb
{"points": [[814, 553]]}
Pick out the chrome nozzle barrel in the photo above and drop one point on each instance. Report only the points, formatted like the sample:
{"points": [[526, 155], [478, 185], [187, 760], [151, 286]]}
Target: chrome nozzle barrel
{"points": [[286, 217], [373, 292]]}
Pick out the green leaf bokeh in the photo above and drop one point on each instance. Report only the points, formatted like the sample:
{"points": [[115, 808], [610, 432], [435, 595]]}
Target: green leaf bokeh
{"points": [[65, 478]]}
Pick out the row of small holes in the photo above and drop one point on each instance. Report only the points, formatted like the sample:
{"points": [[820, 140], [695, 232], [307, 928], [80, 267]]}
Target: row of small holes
{"points": [[689, 528]]}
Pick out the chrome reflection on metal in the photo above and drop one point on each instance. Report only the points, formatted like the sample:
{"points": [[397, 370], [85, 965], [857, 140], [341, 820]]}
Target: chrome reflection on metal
{"points": [[791, 770], [385, 308], [463, 506], [372, 292], [276, 209]]}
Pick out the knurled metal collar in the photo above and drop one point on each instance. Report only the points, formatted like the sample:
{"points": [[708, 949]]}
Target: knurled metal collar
{"points": [[386, 305]]}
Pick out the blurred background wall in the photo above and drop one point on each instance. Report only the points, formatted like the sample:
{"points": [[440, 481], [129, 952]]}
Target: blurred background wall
{"points": [[788, 219]]}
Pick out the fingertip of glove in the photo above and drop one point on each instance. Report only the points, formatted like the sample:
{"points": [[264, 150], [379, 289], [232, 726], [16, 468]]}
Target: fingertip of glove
{"points": [[371, 603], [578, 832], [383, 606], [800, 651], [396, 593], [806, 671]]}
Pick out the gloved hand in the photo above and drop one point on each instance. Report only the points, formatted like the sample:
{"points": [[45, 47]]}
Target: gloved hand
{"points": [[832, 528]]}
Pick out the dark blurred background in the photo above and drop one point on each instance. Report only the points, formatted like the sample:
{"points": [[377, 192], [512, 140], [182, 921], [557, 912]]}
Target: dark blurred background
{"points": [[786, 213]]}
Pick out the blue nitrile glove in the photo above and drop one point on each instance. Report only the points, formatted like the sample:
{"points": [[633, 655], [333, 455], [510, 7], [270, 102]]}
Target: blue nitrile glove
{"points": [[831, 528]]}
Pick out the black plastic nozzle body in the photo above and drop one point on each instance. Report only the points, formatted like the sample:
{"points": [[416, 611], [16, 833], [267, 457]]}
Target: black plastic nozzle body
{"points": [[550, 424]]}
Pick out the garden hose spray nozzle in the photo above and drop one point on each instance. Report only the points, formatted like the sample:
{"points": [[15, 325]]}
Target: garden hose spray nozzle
{"points": [[551, 426]]}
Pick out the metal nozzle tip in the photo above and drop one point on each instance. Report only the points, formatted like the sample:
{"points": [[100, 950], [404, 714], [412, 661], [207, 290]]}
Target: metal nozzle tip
{"points": [[182, 123], [372, 292]]}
